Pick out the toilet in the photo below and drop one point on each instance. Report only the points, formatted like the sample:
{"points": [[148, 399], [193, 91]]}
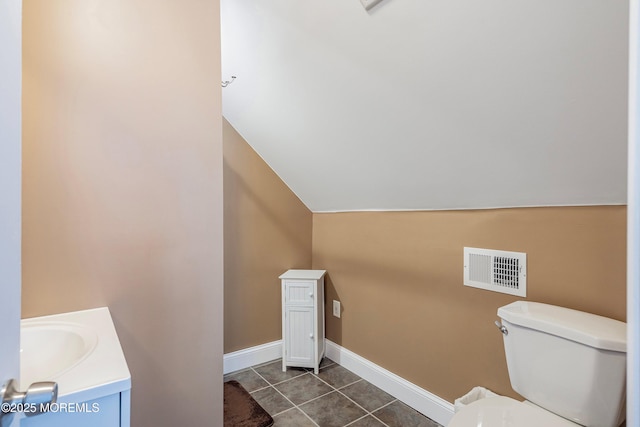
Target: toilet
{"points": [[570, 366]]}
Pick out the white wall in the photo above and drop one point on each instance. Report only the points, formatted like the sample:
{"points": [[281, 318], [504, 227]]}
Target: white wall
{"points": [[433, 104]]}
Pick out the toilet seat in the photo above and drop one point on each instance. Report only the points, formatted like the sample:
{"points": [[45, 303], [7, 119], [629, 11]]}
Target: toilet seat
{"points": [[506, 412]]}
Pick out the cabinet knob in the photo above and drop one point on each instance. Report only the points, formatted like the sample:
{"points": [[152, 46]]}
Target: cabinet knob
{"points": [[311, 335], [310, 294]]}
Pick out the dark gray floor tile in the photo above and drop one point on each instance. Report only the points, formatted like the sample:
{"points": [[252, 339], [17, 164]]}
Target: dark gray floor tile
{"points": [[326, 362], [367, 421], [292, 418], [397, 414], [337, 376], [367, 395], [332, 410], [303, 388], [271, 400], [248, 379], [272, 372]]}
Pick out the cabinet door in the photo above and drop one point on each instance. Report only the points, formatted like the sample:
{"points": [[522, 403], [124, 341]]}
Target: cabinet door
{"points": [[299, 339], [299, 292], [102, 412]]}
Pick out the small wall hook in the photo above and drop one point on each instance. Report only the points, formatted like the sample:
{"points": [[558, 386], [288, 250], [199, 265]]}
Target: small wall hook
{"points": [[226, 83]]}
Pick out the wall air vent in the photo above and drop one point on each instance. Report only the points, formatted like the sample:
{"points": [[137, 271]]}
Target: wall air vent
{"points": [[498, 271]]}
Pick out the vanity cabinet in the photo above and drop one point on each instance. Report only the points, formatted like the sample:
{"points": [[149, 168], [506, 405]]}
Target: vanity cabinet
{"points": [[302, 318], [108, 411]]}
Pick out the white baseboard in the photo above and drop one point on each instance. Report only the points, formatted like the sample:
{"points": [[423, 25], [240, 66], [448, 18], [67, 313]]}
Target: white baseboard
{"points": [[251, 356], [418, 398]]}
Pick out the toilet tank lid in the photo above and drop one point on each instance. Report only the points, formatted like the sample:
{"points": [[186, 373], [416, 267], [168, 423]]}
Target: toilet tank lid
{"points": [[586, 328]]}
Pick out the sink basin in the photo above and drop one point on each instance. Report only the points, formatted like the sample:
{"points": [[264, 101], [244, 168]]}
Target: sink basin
{"points": [[49, 349], [79, 350]]}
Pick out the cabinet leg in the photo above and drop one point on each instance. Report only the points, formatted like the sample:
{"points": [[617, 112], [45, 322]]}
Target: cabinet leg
{"points": [[284, 366]]}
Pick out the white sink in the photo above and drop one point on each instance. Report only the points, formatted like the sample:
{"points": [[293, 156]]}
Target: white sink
{"points": [[78, 350], [49, 349]]}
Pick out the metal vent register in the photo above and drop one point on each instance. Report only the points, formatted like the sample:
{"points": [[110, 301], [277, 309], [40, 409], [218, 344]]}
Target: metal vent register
{"points": [[498, 271]]}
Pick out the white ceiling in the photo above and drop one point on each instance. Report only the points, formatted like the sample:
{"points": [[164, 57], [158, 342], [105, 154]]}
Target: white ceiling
{"points": [[433, 104]]}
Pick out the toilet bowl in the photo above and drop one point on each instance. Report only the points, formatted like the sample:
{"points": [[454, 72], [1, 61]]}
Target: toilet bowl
{"points": [[506, 412]]}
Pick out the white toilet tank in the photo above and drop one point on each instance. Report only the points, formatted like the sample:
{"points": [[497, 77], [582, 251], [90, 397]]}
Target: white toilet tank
{"points": [[567, 362]]}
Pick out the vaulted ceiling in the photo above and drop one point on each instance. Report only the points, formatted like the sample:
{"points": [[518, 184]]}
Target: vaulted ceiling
{"points": [[432, 104]]}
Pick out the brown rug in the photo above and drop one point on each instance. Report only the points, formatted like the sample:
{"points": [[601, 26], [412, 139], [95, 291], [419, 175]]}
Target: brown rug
{"points": [[241, 410]]}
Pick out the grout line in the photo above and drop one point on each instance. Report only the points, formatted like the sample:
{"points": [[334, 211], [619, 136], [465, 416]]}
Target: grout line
{"points": [[330, 364], [282, 412], [289, 379], [301, 411], [288, 400], [258, 374], [383, 406], [386, 404], [367, 413], [318, 397], [354, 402], [283, 381], [324, 381], [357, 419], [381, 422], [333, 389], [278, 391], [306, 415], [347, 385], [261, 388], [371, 413]]}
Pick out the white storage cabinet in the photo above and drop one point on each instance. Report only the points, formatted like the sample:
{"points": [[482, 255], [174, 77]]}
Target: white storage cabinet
{"points": [[302, 318]]}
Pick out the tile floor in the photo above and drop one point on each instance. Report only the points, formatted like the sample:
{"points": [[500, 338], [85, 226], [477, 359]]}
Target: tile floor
{"points": [[336, 397]]}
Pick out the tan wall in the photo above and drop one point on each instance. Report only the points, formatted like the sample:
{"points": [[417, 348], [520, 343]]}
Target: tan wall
{"points": [[122, 191], [267, 231], [399, 278]]}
